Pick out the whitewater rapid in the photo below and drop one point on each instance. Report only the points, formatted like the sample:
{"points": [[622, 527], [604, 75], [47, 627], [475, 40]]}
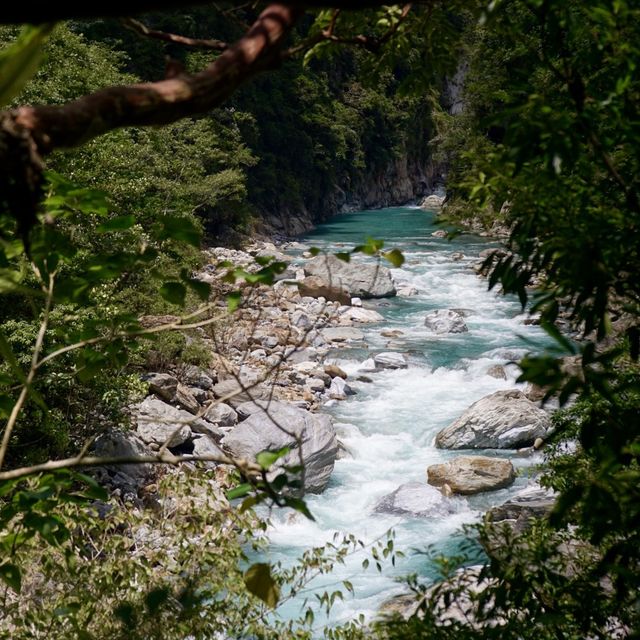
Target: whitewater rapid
{"points": [[388, 428]]}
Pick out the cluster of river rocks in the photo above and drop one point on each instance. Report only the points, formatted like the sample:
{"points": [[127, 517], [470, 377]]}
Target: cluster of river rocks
{"points": [[270, 376]]}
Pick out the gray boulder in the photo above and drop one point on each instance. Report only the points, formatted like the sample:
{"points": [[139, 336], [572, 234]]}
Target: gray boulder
{"points": [[339, 389], [359, 279], [502, 420], [163, 385], [532, 502], [417, 500], [125, 444], [342, 334], [277, 425], [390, 360], [158, 421], [446, 321], [432, 202], [221, 414], [364, 316], [235, 392], [168, 388], [316, 287], [466, 475], [203, 445], [196, 377]]}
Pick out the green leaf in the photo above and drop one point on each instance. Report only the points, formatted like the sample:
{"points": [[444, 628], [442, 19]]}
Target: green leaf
{"points": [[201, 289], [233, 300], [260, 583], [344, 256], [94, 490], [239, 491], [267, 458], [395, 257], [19, 61], [299, 505], [173, 292], [11, 575]]}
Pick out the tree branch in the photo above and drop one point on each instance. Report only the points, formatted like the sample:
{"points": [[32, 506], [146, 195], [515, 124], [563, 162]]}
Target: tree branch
{"points": [[166, 457], [372, 44], [141, 29], [162, 102], [28, 132]]}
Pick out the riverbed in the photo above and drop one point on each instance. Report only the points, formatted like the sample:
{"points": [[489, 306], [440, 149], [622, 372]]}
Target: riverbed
{"points": [[388, 427]]}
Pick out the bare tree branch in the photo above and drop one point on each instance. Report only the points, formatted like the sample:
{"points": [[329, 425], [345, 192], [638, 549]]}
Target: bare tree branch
{"points": [[166, 457], [162, 102], [140, 28]]}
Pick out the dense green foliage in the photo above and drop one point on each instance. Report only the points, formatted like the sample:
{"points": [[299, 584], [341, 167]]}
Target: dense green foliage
{"points": [[548, 143], [548, 146]]}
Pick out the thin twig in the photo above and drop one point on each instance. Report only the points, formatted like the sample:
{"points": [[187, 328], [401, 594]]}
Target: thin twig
{"points": [[202, 43], [246, 467], [24, 393]]}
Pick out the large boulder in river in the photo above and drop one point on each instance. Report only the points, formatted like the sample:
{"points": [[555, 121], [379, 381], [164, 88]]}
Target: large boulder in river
{"points": [[502, 420], [446, 321], [390, 360], [359, 279], [466, 475], [316, 287], [418, 500], [274, 425]]}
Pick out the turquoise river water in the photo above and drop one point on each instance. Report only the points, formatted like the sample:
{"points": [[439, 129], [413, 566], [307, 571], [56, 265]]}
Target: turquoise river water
{"points": [[390, 425]]}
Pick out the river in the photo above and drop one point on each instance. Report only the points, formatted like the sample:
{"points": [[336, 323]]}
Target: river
{"points": [[389, 426]]}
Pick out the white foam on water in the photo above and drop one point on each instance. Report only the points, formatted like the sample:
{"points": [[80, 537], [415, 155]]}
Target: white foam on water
{"points": [[390, 425]]}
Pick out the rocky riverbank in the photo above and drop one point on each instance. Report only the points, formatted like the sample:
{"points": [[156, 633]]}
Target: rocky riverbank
{"points": [[270, 378], [273, 374]]}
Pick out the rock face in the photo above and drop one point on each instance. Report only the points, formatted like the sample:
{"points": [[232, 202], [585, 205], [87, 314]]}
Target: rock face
{"points": [[417, 500], [502, 420], [466, 475], [361, 280], [446, 321], [260, 432], [390, 360]]}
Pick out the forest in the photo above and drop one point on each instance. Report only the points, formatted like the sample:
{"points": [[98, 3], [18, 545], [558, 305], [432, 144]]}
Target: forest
{"points": [[179, 391]]}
